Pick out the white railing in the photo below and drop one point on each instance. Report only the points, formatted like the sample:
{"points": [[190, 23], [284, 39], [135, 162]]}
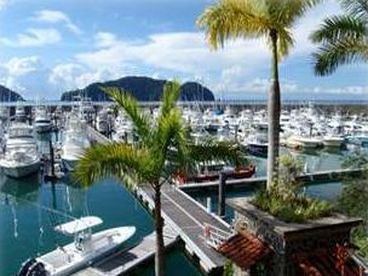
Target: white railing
{"points": [[214, 236]]}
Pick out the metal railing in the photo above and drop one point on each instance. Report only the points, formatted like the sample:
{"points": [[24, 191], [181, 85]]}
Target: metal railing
{"points": [[214, 236]]}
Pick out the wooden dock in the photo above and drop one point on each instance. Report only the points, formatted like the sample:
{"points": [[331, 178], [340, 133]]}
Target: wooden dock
{"points": [[185, 216], [124, 261], [306, 179], [189, 219]]}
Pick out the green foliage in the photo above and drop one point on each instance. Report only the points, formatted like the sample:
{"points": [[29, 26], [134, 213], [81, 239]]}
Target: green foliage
{"points": [[230, 19], [284, 199], [228, 268], [355, 160], [165, 146], [342, 39], [353, 202]]}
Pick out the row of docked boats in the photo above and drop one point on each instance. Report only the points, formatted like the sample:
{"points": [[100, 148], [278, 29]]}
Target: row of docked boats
{"points": [[20, 155]]}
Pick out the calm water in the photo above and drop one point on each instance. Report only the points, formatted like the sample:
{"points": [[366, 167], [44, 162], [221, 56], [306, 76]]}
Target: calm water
{"points": [[26, 229], [320, 160], [325, 191]]}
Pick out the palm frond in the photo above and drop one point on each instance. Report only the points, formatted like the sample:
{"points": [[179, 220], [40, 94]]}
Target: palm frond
{"points": [[171, 136], [330, 56], [229, 19], [210, 150], [339, 28], [130, 106], [113, 159], [358, 8], [170, 97]]}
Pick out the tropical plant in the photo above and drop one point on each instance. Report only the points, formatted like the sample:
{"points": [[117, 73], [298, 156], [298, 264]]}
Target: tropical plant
{"points": [[285, 200], [269, 19], [163, 149], [343, 38]]}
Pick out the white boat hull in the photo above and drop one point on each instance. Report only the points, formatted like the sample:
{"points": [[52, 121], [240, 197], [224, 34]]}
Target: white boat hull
{"points": [[21, 170], [333, 142], [68, 259]]}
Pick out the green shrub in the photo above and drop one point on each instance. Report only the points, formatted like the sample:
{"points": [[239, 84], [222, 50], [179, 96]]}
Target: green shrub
{"points": [[284, 201]]}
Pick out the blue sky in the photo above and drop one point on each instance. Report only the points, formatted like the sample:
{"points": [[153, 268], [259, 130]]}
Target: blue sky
{"points": [[49, 46]]}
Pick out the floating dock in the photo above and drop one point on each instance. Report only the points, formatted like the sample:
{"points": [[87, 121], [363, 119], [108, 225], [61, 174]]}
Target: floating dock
{"points": [[306, 178], [123, 262], [189, 218]]}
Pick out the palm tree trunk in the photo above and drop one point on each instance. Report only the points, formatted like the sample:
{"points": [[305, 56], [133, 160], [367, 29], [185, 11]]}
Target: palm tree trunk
{"points": [[159, 257], [273, 115]]}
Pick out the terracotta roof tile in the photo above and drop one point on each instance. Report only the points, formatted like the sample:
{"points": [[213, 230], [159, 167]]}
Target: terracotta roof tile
{"points": [[244, 249]]}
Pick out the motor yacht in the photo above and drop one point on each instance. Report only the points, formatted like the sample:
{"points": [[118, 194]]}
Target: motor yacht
{"points": [[42, 122], [75, 141], [21, 156]]}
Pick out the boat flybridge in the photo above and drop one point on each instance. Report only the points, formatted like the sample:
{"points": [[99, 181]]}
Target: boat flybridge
{"points": [[86, 248]]}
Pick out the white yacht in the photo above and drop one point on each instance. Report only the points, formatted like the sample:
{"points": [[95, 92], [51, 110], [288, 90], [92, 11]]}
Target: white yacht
{"points": [[75, 141], [86, 248], [21, 156], [20, 113], [102, 121], [42, 122], [257, 140]]}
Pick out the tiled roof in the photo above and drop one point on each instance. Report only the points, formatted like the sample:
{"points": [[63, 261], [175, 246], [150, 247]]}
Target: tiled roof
{"points": [[244, 249], [324, 262]]}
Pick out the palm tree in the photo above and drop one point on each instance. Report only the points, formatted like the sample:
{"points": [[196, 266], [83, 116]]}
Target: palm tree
{"points": [[343, 39], [164, 148], [269, 19]]}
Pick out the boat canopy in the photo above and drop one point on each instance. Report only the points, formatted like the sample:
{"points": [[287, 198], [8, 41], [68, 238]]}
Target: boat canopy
{"points": [[78, 225]]}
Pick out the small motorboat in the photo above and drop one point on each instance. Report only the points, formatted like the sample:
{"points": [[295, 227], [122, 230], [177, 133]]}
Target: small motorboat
{"points": [[86, 248]]}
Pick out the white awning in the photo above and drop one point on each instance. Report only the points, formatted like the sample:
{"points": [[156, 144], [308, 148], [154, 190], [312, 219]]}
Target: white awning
{"points": [[79, 225]]}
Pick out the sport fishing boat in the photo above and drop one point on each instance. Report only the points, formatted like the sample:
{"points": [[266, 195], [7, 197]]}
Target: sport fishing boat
{"points": [[21, 156], [42, 122], [86, 248], [75, 141]]}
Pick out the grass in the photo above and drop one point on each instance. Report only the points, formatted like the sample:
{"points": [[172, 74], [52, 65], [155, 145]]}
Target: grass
{"points": [[291, 207]]}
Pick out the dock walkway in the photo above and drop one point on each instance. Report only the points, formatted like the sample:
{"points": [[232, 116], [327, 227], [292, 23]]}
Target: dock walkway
{"points": [[124, 261], [189, 218], [185, 216]]}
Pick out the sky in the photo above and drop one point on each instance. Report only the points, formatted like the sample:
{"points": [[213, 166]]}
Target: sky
{"points": [[51, 46]]}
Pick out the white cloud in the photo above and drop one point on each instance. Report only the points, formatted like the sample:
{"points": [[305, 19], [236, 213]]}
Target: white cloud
{"points": [[3, 4], [53, 16], [33, 38], [21, 66]]}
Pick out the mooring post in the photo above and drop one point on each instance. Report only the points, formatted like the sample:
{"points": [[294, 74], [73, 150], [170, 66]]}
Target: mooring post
{"points": [[209, 203], [236, 132], [52, 158], [221, 195]]}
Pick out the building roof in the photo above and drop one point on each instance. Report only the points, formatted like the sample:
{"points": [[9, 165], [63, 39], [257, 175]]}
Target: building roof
{"points": [[320, 262], [244, 249]]}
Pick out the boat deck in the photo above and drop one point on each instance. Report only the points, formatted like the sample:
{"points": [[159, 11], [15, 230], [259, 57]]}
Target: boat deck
{"points": [[124, 261]]}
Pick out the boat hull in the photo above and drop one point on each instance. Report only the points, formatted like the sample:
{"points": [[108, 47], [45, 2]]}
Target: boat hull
{"points": [[21, 171], [258, 150], [67, 260], [69, 164], [43, 128]]}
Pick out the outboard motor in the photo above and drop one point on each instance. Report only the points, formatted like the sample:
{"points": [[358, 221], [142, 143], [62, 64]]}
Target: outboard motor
{"points": [[37, 269], [32, 268]]}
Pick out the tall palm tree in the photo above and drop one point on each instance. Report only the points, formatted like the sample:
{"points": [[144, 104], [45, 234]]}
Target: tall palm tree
{"points": [[269, 19], [164, 148], [343, 39]]}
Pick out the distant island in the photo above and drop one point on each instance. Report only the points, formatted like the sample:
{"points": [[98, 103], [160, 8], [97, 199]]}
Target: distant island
{"points": [[7, 95], [142, 88]]}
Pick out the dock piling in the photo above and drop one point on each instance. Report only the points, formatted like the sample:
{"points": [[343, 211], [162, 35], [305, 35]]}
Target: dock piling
{"points": [[221, 195]]}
